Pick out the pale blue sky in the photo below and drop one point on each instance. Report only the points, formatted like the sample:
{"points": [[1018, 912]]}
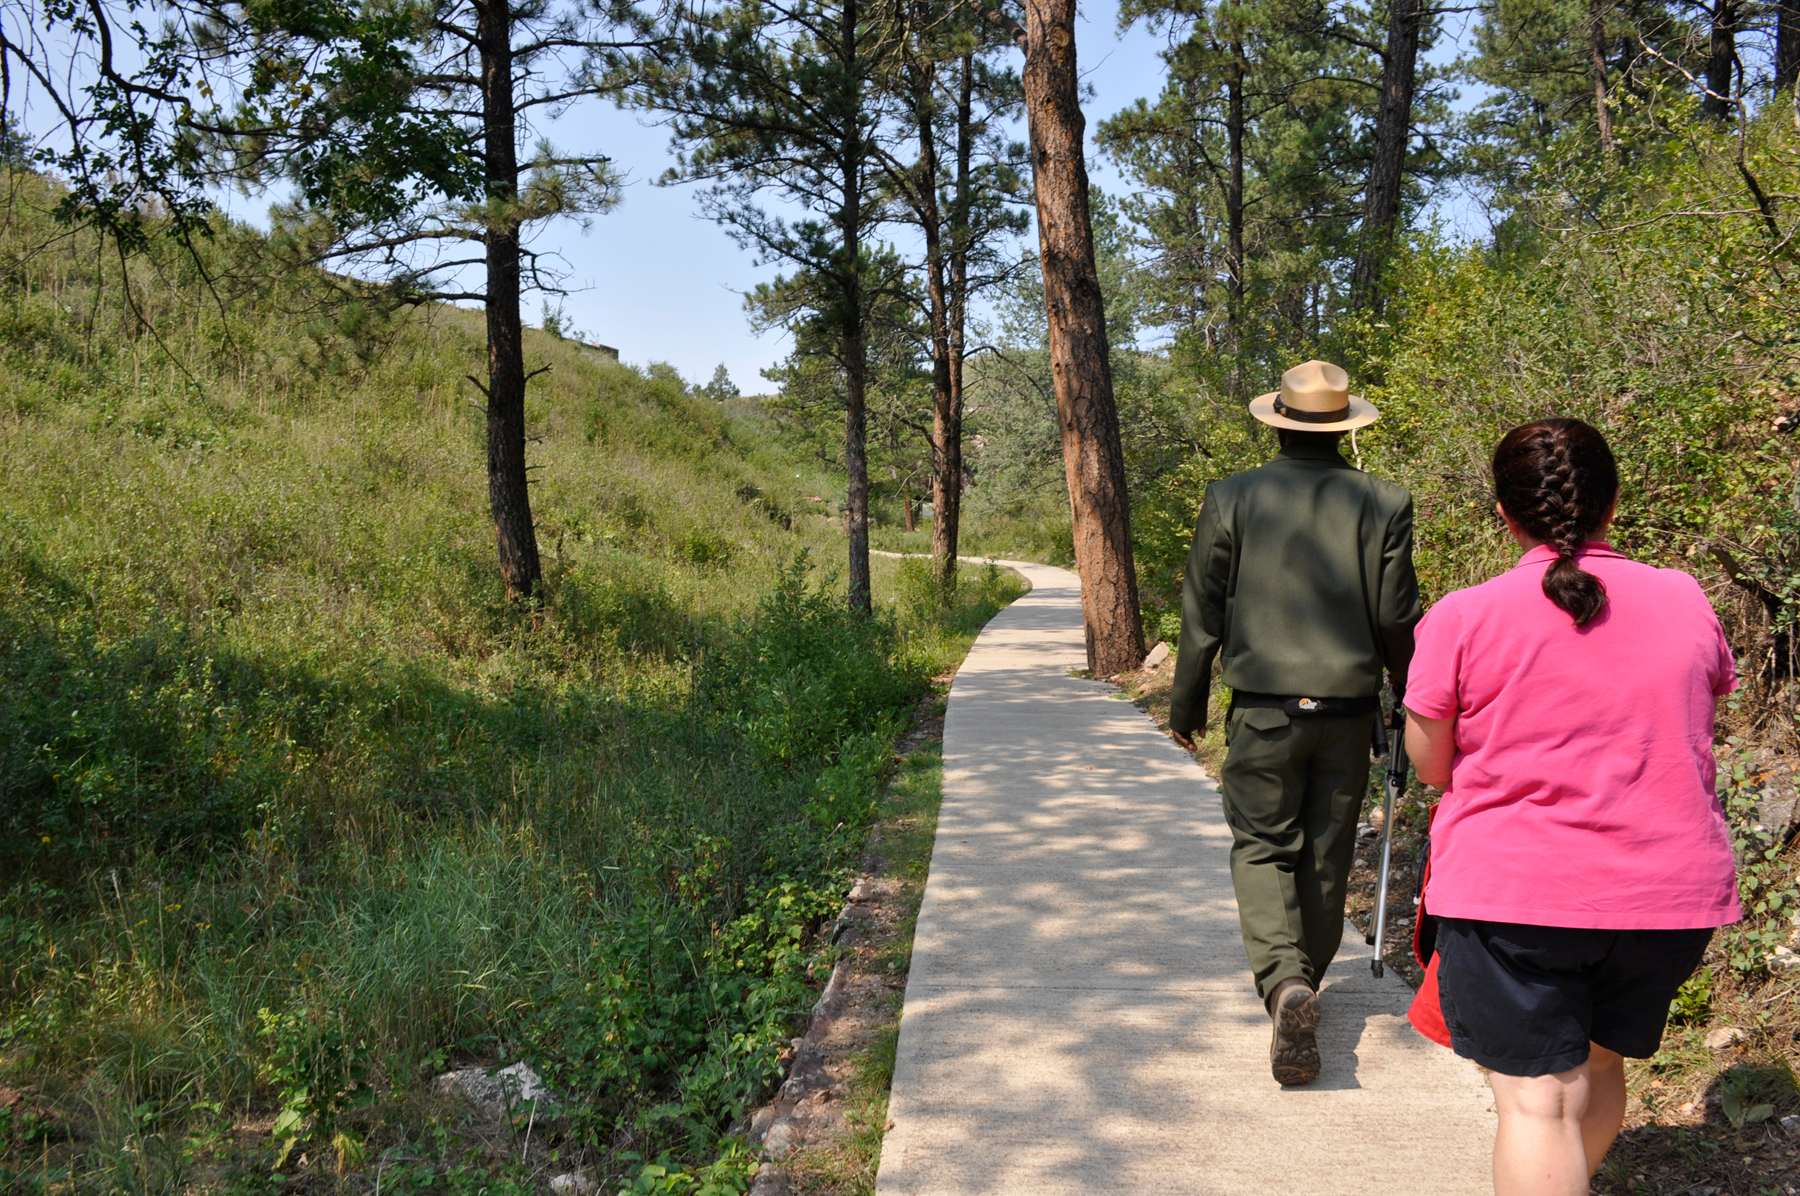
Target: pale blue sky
{"points": [[661, 283]]}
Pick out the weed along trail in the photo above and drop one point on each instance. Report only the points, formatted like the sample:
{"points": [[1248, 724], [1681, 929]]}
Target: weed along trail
{"points": [[1079, 1016]]}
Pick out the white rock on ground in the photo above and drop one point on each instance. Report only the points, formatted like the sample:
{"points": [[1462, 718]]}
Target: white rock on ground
{"points": [[770, 1182], [575, 1183], [1723, 1037], [780, 1141], [499, 1092], [1157, 655], [1079, 1016]]}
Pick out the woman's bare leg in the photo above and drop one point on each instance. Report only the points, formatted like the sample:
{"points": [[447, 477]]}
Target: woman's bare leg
{"points": [[1555, 1130], [1540, 1148], [1605, 1105]]}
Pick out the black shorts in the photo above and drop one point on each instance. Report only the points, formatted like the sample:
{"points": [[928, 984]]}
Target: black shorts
{"points": [[1527, 1000]]}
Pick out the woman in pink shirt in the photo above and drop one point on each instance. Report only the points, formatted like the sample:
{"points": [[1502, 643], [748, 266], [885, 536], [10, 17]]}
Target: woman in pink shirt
{"points": [[1580, 860]]}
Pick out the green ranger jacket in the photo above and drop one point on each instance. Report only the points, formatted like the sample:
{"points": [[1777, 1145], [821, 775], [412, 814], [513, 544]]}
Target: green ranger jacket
{"points": [[1301, 577]]}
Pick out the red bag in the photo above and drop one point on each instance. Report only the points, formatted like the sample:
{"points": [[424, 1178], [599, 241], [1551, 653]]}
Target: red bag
{"points": [[1427, 1013], [1427, 1010]]}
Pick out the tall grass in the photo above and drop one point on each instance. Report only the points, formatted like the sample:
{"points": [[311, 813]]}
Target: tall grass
{"points": [[295, 809]]}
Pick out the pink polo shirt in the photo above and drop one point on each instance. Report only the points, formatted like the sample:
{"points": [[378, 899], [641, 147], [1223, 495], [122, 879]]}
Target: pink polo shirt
{"points": [[1581, 793]]}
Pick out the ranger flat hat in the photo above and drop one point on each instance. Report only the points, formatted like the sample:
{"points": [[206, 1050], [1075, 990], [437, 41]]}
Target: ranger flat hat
{"points": [[1314, 397]]}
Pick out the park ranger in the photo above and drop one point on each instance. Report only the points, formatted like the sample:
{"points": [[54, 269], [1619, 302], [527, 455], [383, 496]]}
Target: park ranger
{"points": [[1301, 581]]}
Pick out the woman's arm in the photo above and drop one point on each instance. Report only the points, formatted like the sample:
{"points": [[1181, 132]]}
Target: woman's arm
{"points": [[1430, 745]]}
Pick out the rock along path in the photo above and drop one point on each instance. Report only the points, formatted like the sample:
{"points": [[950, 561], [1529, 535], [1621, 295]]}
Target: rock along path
{"points": [[1079, 1015]]}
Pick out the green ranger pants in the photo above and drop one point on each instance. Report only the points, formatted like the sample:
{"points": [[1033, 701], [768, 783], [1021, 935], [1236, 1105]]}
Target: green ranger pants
{"points": [[1293, 792]]}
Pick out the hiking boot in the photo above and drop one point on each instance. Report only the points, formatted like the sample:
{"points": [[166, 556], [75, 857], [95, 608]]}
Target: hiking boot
{"points": [[1294, 1053]]}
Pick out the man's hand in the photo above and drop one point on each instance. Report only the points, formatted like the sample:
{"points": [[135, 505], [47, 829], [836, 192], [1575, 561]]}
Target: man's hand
{"points": [[1186, 743]]}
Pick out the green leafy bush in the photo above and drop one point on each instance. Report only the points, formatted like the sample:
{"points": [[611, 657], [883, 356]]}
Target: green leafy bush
{"points": [[728, 1175], [1751, 1094], [1693, 1000], [681, 1033], [320, 1069], [1768, 882], [806, 673]]}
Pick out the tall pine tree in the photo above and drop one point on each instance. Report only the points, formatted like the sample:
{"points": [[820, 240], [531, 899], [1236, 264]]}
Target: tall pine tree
{"points": [[786, 99]]}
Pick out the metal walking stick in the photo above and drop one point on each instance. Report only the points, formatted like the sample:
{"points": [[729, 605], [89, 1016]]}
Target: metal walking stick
{"points": [[1396, 785]]}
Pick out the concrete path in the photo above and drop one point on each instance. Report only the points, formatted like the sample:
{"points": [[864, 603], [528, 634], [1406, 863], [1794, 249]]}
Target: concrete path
{"points": [[1079, 1016]]}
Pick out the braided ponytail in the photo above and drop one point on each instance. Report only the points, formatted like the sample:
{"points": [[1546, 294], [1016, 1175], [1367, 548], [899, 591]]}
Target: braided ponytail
{"points": [[1557, 480]]}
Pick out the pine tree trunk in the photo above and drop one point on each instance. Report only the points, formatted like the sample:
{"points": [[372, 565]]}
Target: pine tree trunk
{"points": [[509, 495], [946, 481], [1092, 455], [1721, 60], [931, 222], [946, 485], [1393, 131], [1234, 196], [1787, 44], [856, 456], [1598, 11], [856, 351]]}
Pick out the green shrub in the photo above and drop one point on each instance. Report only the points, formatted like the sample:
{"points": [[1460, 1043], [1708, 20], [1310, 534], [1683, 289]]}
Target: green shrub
{"points": [[728, 1175], [1768, 881], [1751, 1094], [805, 673], [1693, 1000], [147, 741], [319, 1068], [679, 1035]]}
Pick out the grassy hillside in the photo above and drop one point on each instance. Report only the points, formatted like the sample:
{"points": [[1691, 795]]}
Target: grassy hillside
{"points": [[295, 811]]}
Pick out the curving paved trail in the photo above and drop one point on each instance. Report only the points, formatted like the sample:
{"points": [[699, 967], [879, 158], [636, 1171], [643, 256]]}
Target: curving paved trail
{"points": [[1079, 1015]]}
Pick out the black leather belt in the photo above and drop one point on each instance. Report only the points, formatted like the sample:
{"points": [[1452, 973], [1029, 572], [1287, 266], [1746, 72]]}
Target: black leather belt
{"points": [[1299, 707]]}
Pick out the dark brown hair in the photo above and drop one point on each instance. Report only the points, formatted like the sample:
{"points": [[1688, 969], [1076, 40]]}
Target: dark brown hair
{"points": [[1557, 480]]}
